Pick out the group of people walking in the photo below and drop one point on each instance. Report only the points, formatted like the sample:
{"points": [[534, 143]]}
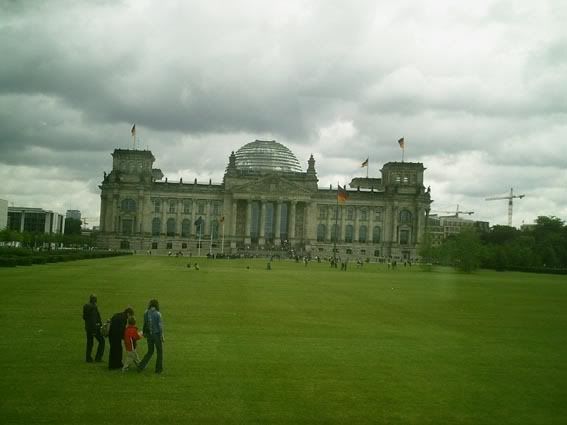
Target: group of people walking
{"points": [[123, 332]]}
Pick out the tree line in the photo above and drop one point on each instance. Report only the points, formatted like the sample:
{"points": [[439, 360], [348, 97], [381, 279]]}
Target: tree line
{"points": [[541, 247], [72, 237]]}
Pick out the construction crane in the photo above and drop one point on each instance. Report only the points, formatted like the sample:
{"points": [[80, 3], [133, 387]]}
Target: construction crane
{"points": [[510, 199], [456, 212]]}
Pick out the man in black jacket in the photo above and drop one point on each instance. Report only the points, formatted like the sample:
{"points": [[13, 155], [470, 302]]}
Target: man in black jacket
{"points": [[92, 319]]}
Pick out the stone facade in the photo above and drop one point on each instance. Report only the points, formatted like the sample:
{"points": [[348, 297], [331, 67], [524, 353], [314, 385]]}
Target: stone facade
{"points": [[262, 207]]}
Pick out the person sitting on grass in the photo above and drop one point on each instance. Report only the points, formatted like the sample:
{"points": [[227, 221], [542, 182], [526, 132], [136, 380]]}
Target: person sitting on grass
{"points": [[131, 335]]}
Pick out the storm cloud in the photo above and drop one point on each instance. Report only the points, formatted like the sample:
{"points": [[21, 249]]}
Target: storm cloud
{"points": [[478, 91]]}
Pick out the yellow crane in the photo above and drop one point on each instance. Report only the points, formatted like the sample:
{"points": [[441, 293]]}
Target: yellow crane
{"points": [[510, 199]]}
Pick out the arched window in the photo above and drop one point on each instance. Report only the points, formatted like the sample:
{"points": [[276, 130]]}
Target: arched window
{"points": [[350, 213], [349, 232], [335, 232], [128, 205], [170, 227], [156, 226], [362, 234], [321, 232], [185, 228], [405, 217], [364, 214], [376, 234]]}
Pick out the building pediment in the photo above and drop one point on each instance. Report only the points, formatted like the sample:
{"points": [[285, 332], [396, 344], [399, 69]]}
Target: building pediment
{"points": [[272, 186]]}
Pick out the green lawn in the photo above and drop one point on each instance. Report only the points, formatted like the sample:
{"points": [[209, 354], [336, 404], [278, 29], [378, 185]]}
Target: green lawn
{"points": [[292, 345]]}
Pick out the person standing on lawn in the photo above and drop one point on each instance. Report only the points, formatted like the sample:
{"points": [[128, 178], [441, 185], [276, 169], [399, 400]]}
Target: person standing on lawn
{"points": [[115, 336], [153, 332], [93, 322]]}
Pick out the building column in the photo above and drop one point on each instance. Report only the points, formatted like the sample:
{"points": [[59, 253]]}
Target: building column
{"points": [[164, 208], [178, 220], [329, 224], [343, 218], [191, 217], [209, 216], [419, 226], [114, 213], [233, 218], [102, 222], [262, 235], [247, 239], [292, 221], [356, 223], [140, 214], [370, 233], [277, 230]]}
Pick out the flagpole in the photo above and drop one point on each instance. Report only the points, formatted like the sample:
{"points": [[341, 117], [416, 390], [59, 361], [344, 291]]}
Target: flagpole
{"points": [[403, 151], [222, 243], [200, 234], [133, 131], [211, 244], [336, 224]]}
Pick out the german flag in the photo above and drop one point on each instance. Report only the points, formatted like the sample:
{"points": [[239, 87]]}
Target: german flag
{"points": [[364, 163], [342, 194], [401, 142]]}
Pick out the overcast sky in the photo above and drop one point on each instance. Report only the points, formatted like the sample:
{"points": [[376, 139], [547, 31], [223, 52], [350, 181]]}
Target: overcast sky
{"points": [[478, 89]]}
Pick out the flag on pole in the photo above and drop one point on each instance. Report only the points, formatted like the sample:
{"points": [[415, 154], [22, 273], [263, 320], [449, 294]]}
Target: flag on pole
{"points": [[342, 194], [401, 143], [365, 163], [221, 220], [199, 221], [133, 131]]}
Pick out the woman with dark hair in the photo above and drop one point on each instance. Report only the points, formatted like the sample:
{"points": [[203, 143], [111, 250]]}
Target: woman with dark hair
{"points": [[115, 335], [153, 332]]}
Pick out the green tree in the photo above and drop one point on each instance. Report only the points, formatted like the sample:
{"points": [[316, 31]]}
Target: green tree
{"points": [[467, 250], [72, 226]]}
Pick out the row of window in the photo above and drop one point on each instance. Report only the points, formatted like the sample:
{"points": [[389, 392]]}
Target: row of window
{"points": [[362, 214], [171, 225], [349, 233], [171, 205], [168, 245], [404, 234]]}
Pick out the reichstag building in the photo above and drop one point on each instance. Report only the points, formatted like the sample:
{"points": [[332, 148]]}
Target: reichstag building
{"points": [[265, 205]]}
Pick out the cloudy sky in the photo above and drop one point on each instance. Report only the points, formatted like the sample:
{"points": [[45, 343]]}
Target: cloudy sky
{"points": [[478, 89]]}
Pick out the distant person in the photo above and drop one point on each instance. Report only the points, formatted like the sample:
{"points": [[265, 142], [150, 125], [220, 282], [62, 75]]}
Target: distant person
{"points": [[93, 322], [115, 335], [131, 336], [153, 332]]}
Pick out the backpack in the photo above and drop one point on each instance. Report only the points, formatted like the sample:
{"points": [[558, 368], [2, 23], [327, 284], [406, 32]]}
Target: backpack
{"points": [[105, 328]]}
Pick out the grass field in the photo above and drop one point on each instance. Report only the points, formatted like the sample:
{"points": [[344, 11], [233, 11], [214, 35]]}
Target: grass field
{"points": [[292, 345]]}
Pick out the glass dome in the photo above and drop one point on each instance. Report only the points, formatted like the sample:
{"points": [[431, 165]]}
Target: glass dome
{"points": [[266, 155]]}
